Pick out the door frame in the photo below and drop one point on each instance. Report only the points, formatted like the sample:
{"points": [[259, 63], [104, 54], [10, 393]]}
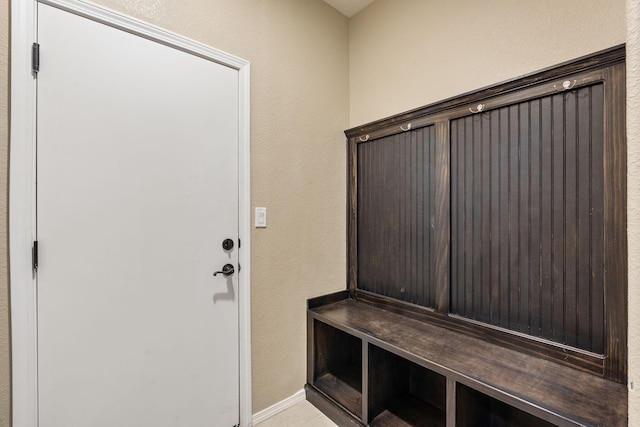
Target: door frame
{"points": [[22, 193]]}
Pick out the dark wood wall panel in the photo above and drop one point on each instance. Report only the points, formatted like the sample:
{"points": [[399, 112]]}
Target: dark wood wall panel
{"points": [[527, 209], [396, 187], [527, 232]]}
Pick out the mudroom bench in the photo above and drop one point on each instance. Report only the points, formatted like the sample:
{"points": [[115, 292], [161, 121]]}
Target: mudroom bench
{"points": [[371, 366], [486, 260]]}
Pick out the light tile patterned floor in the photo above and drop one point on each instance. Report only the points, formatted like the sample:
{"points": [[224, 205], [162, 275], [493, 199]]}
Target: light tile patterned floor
{"points": [[302, 414]]}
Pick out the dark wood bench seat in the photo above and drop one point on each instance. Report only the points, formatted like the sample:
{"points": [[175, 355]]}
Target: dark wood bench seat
{"points": [[557, 394]]}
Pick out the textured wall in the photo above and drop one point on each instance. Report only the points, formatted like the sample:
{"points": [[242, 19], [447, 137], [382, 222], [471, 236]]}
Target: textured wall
{"points": [[299, 76], [5, 349], [404, 54], [633, 202], [409, 53]]}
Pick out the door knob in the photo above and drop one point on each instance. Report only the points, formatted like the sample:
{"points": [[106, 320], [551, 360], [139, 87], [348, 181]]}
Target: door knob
{"points": [[227, 270]]}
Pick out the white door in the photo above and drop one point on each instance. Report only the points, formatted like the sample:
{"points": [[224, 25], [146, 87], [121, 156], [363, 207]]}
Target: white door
{"points": [[137, 187]]}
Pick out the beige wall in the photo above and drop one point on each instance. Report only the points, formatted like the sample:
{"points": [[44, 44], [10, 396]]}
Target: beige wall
{"points": [[404, 54], [409, 53], [633, 202], [299, 76], [5, 368]]}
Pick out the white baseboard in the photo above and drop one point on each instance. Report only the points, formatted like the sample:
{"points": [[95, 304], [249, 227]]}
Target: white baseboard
{"points": [[278, 407]]}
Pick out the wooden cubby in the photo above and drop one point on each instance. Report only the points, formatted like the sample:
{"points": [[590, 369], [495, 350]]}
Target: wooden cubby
{"points": [[403, 393], [475, 409], [338, 366]]}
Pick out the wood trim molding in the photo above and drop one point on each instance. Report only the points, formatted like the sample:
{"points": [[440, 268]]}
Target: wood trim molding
{"points": [[551, 75], [616, 255], [442, 217], [352, 215]]}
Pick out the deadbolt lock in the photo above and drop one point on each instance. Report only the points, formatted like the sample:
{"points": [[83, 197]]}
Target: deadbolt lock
{"points": [[227, 244]]}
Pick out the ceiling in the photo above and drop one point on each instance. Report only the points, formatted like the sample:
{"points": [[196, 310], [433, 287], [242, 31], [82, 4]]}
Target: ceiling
{"points": [[349, 7]]}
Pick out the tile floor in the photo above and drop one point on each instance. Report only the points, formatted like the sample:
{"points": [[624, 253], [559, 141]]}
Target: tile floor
{"points": [[302, 414]]}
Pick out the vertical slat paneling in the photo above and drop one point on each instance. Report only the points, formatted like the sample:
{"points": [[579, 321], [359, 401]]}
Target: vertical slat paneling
{"points": [[392, 232], [428, 220], [395, 203], [524, 219], [467, 211], [557, 217], [546, 233], [455, 225], [536, 308], [415, 264], [486, 225], [584, 219], [570, 217], [513, 225], [494, 199], [475, 255], [527, 217], [597, 212], [503, 219]]}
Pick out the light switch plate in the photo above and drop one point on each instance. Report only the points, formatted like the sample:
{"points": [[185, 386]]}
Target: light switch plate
{"points": [[261, 217]]}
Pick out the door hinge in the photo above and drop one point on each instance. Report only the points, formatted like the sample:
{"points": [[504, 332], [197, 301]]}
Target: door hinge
{"points": [[34, 256], [35, 58], [239, 243]]}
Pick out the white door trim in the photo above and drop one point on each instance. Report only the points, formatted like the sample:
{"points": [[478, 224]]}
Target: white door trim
{"points": [[22, 212]]}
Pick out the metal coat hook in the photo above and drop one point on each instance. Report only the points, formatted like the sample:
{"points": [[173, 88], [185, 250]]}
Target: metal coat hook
{"points": [[479, 108], [365, 139], [408, 127], [566, 85]]}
